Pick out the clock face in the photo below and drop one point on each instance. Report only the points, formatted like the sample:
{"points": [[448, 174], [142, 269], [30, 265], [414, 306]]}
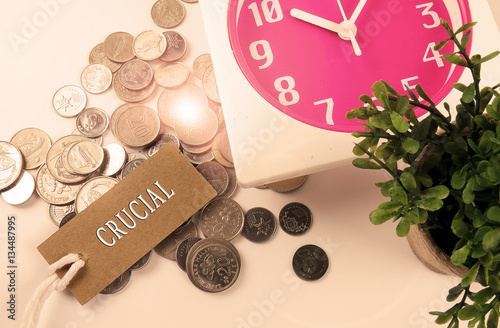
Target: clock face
{"points": [[313, 74]]}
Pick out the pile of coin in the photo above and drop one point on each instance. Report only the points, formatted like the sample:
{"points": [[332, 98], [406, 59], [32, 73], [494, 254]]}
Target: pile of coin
{"points": [[77, 169]]}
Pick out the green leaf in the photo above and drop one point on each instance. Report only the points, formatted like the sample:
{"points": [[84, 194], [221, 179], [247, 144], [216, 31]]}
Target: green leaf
{"points": [[453, 148], [493, 214], [443, 318], [424, 179], [490, 56], [459, 227], [379, 123], [403, 227], [484, 295], [408, 181], [455, 59], [441, 45], [399, 122], [459, 256], [397, 193], [454, 293], [468, 312], [380, 216], [471, 275], [410, 145], [380, 92], [465, 27], [365, 163], [359, 148], [429, 204], [491, 239], [402, 104], [494, 109], [390, 89], [468, 195], [459, 178], [390, 206], [492, 319], [421, 93], [468, 95], [367, 100], [440, 192], [465, 39], [459, 86]]}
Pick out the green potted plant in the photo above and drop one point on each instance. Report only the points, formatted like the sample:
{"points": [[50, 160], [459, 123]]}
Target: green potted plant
{"points": [[445, 178]]}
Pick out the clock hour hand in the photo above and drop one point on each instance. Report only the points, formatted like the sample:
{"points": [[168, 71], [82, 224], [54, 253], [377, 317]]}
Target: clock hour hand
{"points": [[315, 20], [350, 28]]}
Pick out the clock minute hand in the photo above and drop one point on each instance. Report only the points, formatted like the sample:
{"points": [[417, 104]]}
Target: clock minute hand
{"points": [[315, 20], [350, 26], [357, 11]]}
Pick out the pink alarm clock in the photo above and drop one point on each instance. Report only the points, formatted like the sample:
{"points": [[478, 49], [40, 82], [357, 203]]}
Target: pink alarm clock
{"points": [[311, 60]]}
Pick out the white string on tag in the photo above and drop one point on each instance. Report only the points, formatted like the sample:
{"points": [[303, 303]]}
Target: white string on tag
{"points": [[53, 282]]}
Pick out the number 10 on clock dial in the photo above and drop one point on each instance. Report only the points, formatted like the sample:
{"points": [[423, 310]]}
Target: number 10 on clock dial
{"points": [[312, 59]]}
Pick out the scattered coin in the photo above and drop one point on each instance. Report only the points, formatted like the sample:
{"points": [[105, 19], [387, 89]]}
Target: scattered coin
{"points": [[310, 262], [216, 175], [130, 166], [85, 157], [143, 261], [196, 125], [197, 150], [66, 219], [97, 56], [118, 47], [168, 13], [232, 184], [198, 158], [225, 148], [210, 84], [288, 185], [171, 75], [92, 122], [96, 78], [172, 101], [58, 212], [54, 160], [200, 65], [69, 101], [132, 96], [116, 114], [53, 191], [260, 224], [213, 265], [176, 46], [118, 284], [218, 154], [149, 45], [183, 250], [168, 246], [34, 145], [217, 108], [138, 126], [190, 1], [163, 139], [135, 74], [92, 190], [295, 218], [115, 158], [97, 140], [221, 218], [21, 191], [11, 164]]}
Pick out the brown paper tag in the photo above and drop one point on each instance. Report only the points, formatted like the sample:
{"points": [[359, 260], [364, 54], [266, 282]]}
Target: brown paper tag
{"points": [[152, 201]]}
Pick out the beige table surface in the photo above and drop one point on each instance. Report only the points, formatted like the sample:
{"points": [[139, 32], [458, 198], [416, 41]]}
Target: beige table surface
{"points": [[373, 280]]}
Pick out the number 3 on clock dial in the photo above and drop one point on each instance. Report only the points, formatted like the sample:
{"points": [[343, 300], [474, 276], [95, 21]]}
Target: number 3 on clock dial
{"points": [[306, 68]]}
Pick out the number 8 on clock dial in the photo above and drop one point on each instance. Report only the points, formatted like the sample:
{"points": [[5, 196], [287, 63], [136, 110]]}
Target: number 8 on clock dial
{"points": [[312, 59]]}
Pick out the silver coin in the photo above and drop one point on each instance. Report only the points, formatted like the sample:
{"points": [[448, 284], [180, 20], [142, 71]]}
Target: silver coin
{"points": [[163, 139], [97, 140], [295, 218], [33, 144], [198, 150], [168, 246], [171, 75], [96, 78], [176, 46], [66, 219], [58, 212], [11, 164], [260, 224], [131, 166], [174, 101], [143, 261], [221, 218], [69, 101], [213, 265], [21, 191], [136, 155], [183, 250], [115, 158], [210, 84], [92, 190], [216, 175], [53, 191], [232, 185], [198, 158], [196, 126], [92, 122], [149, 45], [310, 262], [85, 157], [168, 13], [118, 284], [200, 65]]}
